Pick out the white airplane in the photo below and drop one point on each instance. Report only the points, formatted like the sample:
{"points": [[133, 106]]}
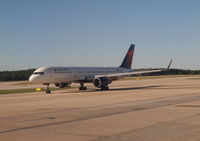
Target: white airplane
{"points": [[101, 77]]}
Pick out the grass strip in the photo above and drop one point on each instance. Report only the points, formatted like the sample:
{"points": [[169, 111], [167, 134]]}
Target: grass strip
{"points": [[14, 91]]}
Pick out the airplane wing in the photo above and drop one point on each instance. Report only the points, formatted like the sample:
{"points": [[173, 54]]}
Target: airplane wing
{"points": [[119, 75]]}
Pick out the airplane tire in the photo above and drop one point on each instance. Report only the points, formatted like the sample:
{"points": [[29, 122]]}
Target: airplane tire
{"points": [[82, 88], [105, 88], [48, 91]]}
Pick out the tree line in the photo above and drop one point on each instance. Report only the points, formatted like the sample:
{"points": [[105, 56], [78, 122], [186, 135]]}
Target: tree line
{"points": [[172, 72], [25, 74], [16, 75]]}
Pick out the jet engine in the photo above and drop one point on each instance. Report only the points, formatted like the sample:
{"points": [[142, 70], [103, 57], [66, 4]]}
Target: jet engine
{"points": [[101, 82], [61, 85]]}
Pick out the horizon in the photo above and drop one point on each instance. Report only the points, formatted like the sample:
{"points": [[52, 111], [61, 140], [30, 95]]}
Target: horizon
{"points": [[91, 66]]}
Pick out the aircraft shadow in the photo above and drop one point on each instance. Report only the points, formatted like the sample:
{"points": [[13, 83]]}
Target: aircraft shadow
{"points": [[116, 89], [130, 88]]}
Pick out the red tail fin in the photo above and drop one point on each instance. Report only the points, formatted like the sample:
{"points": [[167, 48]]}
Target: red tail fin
{"points": [[127, 62]]}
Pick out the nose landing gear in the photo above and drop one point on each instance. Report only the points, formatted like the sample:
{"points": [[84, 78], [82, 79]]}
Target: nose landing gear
{"points": [[48, 91]]}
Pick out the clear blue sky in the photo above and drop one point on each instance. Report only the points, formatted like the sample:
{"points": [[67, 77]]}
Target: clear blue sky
{"points": [[36, 33]]}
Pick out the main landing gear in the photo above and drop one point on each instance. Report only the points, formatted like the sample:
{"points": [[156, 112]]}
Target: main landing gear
{"points": [[104, 88], [82, 87], [48, 91]]}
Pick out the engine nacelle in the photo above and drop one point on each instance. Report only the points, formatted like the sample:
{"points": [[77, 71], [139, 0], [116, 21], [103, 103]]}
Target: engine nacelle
{"points": [[61, 85], [101, 82]]}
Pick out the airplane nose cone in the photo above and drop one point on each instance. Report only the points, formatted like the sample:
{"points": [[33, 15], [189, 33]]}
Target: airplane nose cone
{"points": [[31, 78]]}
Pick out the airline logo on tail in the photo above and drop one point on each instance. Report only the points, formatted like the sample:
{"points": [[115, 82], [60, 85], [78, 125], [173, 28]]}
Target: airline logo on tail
{"points": [[127, 62]]}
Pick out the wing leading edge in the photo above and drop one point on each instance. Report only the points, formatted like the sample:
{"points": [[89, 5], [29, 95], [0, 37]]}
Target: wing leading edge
{"points": [[120, 75]]}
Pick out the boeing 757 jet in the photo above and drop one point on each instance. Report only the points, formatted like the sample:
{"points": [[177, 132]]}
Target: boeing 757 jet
{"points": [[101, 77]]}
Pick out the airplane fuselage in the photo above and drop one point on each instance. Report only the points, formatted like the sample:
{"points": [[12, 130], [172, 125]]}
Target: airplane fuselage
{"points": [[72, 74]]}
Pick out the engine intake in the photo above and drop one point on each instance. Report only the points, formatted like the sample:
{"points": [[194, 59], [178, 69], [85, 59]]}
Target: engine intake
{"points": [[101, 82]]}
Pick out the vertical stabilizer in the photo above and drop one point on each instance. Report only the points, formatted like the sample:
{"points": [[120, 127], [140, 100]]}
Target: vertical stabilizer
{"points": [[127, 62]]}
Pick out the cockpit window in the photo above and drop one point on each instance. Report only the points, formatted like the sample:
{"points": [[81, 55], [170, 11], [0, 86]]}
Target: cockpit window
{"points": [[36, 73], [41, 73]]}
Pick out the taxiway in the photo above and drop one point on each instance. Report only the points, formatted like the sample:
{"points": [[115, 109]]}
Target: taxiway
{"points": [[165, 109]]}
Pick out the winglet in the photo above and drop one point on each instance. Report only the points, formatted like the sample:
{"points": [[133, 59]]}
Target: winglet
{"points": [[169, 64]]}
